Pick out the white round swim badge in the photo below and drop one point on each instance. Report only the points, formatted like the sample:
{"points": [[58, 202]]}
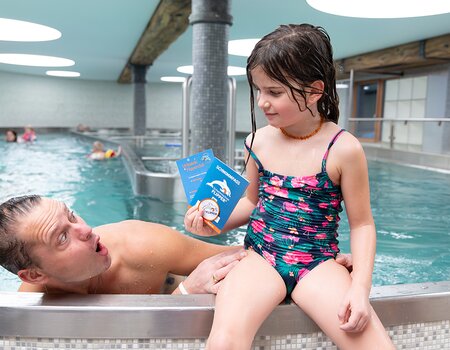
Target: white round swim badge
{"points": [[210, 209]]}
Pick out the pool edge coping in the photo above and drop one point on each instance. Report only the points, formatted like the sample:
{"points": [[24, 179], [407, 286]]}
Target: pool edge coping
{"points": [[164, 316]]}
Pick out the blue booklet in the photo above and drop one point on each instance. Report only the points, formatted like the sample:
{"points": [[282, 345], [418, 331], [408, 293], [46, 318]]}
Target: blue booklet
{"points": [[218, 193], [192, 171]]}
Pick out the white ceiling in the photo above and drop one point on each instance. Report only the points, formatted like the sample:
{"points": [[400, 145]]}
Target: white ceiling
{"points": [[100, 35]]}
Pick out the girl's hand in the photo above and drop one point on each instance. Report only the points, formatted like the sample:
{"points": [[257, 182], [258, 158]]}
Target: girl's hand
{"points": [[345, 260], [194, 223], [355, 312]]}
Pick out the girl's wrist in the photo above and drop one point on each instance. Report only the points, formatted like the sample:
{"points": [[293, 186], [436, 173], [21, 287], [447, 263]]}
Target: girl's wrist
{"points": [[364, 287]]}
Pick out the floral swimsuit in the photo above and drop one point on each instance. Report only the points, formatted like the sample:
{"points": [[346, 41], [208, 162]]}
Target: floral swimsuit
{"points": [[294, 225]]}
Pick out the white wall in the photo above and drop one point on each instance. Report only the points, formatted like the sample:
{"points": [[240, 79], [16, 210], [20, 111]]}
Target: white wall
{"points": [[62, 102], [436, 136], [405, 98], [58, 102]]}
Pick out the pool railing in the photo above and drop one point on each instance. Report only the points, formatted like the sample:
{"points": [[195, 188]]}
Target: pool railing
{"points": [[165, 186]]}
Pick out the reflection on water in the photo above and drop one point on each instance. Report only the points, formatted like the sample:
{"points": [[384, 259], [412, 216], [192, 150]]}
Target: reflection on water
{"points": [[410, 206]]}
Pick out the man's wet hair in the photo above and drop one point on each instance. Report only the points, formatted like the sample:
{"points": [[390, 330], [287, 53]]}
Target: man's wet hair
{"points": [[15, 253]]}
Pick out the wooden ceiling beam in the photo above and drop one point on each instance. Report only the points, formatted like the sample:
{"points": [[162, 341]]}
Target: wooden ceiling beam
{"points": [[438, 47], [168, 22], [171, 19], [416, 54]]}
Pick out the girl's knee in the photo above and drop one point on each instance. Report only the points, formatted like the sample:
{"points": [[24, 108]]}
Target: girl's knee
{"points": [[228, 340]]}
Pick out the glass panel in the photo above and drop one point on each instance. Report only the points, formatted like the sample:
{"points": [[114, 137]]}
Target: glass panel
{"points": [[405, 89], [391, 90], [366, 108], [419, 88], [342, 88]]}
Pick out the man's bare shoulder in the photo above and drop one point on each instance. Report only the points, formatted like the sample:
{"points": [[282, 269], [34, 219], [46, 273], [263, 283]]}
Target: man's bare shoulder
{"points": [[133, 228], [137, 236]]}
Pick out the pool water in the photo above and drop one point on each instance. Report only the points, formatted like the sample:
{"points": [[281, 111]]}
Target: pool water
{"points": [[411, 206]]}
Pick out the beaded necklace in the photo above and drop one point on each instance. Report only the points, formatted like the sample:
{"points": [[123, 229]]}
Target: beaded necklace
{"points": [[302, 138]]}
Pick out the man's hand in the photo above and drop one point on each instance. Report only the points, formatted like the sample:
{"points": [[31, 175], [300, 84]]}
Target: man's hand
{"points": [[208, 275]]}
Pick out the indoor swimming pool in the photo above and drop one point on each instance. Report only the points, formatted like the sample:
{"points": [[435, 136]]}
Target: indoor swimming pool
{"points": [[410, 205]]}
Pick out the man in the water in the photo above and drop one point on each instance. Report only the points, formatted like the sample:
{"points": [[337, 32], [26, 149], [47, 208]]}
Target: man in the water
{"points": [[53, 250]]}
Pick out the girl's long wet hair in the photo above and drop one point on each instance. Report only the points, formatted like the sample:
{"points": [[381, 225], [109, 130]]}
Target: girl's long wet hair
{"points": [[296, 55]]}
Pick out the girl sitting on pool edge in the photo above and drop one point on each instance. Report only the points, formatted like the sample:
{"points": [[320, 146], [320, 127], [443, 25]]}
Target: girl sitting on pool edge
{"points": [[99, 153]]}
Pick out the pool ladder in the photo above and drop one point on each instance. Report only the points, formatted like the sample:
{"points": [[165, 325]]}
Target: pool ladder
{"points": [[167, 187]]}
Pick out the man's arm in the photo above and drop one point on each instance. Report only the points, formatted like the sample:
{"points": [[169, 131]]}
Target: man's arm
{"points": [[162, 250], [183, 255], [208, 275]]}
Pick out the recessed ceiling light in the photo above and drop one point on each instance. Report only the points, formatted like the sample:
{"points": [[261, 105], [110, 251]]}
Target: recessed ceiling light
{"points": [[242, 47], [341, 86], [174, 79], [62, 73], [381, 8], [35, 60], [231, 71], [14, 30], [186, 69]]}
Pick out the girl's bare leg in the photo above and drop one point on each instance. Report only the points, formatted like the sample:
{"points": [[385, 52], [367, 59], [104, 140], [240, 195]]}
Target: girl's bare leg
{"points": [[247, 296], [320, 293]]}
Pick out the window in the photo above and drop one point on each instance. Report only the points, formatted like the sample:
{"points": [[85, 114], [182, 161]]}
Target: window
{"points": [[368, 104]]}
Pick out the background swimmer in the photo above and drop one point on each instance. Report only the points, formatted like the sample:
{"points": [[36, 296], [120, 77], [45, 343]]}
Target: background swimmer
{"points": [[10, 136], [99, 153], [29, 135]]}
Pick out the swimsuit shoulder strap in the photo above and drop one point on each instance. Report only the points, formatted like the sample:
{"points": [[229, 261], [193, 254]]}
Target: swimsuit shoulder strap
{"points": [[325, 156], [260, 166]]}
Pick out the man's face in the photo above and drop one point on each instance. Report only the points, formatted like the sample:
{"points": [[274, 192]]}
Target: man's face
{"points": [[63, 245]]}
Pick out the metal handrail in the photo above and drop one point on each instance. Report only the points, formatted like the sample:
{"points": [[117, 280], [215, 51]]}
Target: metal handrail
{"points": [[231, 117], [148, 137], [405, 121], [159, 158], [185, 116], [400, 119]]}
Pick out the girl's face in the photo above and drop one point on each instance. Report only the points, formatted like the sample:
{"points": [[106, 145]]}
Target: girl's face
{"points": [[276, 101]]}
